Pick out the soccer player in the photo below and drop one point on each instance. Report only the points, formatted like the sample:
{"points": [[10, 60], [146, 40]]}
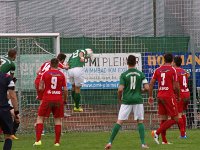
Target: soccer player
{"points": [[184, 92], [7, 64], [76, 74], [45, 67], [132, 83], [52, 83], [7, 86], [167, 104]]}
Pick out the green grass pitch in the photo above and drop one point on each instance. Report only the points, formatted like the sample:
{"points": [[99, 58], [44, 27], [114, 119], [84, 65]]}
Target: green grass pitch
{"points": [[125, 140]]}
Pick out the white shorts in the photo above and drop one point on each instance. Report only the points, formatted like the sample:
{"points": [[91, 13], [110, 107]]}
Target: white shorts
{"points": [[125, 110], [76, 76]]}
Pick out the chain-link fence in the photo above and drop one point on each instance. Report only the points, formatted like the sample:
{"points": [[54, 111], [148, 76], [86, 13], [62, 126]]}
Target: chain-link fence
{"points": [[146, 27]]}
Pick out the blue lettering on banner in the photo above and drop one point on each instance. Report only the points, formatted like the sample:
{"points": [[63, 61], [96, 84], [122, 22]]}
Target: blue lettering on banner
{"points": [[151, 61]]}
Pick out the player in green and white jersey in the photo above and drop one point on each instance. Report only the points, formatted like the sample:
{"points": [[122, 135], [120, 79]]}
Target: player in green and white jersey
{"points": [[7, 64], [76, 74], [132, 84]]}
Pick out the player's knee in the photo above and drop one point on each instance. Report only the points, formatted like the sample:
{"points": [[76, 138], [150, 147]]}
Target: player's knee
{"points": [[58, 121], [139, 121], [7, 136], [120, 122]]}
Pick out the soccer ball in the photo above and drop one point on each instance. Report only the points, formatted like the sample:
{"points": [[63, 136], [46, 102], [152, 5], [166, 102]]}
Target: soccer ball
{"points": [[89, 52]]}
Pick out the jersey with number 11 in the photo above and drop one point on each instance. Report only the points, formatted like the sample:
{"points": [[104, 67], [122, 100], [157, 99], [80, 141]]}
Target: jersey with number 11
{"points": [[54, 81], [132, 80], [166, 76]]}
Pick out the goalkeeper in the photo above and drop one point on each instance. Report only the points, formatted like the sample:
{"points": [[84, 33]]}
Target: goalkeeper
{"points": [[76, 74]]}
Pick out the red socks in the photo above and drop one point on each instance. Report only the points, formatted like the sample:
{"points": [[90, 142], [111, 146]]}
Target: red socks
{"points": [[184, 121], [163, 134], [38, 129], [181, 126], [57, 129], [167, 124]]}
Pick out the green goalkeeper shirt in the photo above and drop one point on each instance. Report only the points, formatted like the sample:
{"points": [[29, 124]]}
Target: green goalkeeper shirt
{"points": [[7, 65], [132, 80], [74, 60]]}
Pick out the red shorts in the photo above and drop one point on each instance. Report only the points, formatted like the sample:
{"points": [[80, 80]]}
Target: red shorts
{"points": [[56, 107], [183, 103], [167, 105], [39, 93]]}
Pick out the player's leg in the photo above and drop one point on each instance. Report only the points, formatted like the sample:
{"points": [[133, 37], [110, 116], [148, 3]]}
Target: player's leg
{"points": [[163, 118], [79, 80], [172, 110], [73, 91], [138, 111], [7, 125], [58, 113], [124, 112], [57, 129], [78, 99], [185, 106], [8, 142], [180, 119], [38, 129], [15, 125], [43, 111]]}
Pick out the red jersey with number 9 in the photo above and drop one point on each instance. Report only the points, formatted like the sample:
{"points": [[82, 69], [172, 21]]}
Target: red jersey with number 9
{"points": [[165, 75], [54, 81], [45, 67]]}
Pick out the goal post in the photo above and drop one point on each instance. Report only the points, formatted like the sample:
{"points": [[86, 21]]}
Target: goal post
{"points": [[56, 37], [33, 49]]}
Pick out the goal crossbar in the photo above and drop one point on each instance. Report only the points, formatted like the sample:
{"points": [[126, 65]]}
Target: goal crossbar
{"points": [[29, 35]]}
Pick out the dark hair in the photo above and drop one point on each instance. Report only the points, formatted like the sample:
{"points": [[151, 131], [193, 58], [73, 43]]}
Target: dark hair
{"points": [[168, 58], [178, 61], [12, 53], [61, 57], [54, 62], [131, 61]]}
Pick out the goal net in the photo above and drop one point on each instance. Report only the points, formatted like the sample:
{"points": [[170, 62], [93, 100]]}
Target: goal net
{"points": [[33, 49]]}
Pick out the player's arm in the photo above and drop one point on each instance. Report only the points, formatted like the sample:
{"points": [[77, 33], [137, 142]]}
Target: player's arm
{"points": [[41, 85], [65, 91], [13, 97], [145, 85], [66, 66], [177, 89], [152, 82], [119, 93], [176, 85], [38, 71], [12, 70], [120, 88], [65, 94], [82, 57]]}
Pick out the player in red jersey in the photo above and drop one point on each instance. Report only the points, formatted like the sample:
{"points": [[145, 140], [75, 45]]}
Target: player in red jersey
{"points": [[167, 105], [45, 67], [184, 92], [52, 83]]}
